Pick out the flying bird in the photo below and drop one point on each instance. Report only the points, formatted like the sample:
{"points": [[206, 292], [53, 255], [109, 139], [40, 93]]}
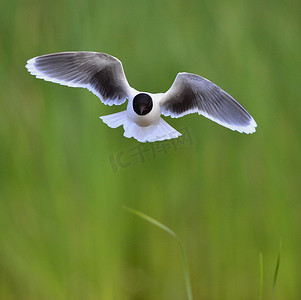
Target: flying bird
{"points": [[103, 75]]}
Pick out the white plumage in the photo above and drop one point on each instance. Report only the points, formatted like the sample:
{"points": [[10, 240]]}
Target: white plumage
{"points": [[104, 76]]}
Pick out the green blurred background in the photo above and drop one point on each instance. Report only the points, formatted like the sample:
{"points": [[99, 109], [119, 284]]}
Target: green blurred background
{"points": [[229, 196]]}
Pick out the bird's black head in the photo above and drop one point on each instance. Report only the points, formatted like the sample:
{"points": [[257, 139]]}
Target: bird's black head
{"points": [[142, 104]]}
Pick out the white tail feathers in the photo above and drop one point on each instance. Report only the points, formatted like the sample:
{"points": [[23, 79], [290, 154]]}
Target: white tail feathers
{"points": [[157, 132], [115, 120]]}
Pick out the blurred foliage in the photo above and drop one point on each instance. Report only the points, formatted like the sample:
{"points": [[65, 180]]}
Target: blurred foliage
{"points": [[229, 196]]}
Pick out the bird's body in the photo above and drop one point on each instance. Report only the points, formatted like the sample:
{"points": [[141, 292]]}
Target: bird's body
{"points": [[103, 74]]}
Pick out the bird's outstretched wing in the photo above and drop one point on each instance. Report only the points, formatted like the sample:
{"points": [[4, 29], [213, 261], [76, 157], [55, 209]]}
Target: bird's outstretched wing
{"points": [[192, 93], [100, 73]]}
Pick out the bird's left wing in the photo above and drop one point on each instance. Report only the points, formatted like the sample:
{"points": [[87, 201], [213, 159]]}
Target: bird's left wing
{"points": [[192, 93], [100, 73]]}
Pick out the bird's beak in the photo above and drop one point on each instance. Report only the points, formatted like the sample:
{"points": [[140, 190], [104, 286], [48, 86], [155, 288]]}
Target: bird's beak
{"points": [[142, 109]]}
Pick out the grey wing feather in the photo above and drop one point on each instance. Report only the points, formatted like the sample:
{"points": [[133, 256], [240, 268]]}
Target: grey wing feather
{"points": [[192, 93], [100, 73]]}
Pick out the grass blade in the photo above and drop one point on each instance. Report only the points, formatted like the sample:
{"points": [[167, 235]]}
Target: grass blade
{"points": [[172, 233], [260, 276], [276, 271]]}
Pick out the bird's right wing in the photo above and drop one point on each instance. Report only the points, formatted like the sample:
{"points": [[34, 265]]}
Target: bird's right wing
{"points": [[100, 73]]}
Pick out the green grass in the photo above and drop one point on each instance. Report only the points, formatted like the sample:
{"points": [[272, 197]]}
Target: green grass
{"points": [[228, 196], [173, 234], [260, 276], [184, 258], [276, 271]]}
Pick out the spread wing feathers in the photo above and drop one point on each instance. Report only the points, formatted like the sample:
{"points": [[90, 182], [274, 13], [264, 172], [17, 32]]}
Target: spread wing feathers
{"points": [[191, 93], [100, 73]]}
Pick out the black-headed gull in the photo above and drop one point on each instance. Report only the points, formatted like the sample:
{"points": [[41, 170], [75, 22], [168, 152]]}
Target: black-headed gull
{"points": [[104, 76]]}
